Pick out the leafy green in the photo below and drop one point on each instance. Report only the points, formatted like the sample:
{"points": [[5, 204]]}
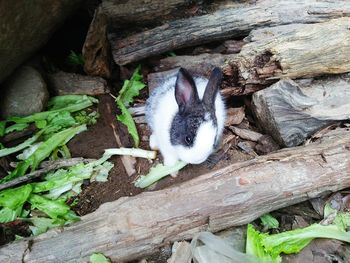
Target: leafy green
{"points": [[98, 258], [269, 221], [126, 118], [75, 59], [7, 215], [16, 127], [70, 103], [255, 247], [53, 208], [42, 224], [264, 246], [43, 151], [2, 128], [158, 172], [131, 88], [15, 197], [12, 200], [21, 146]]}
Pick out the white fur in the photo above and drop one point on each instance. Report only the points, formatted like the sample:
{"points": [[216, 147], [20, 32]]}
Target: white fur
{"points": [[160, 111]]}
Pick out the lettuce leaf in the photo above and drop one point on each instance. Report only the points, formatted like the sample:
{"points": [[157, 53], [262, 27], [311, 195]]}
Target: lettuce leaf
{"points": [[70, 103], [43, 151], [98, 258], [126, 118], [15, 197], [131, 88], [53, 208], [158, 172], [264, 245], [21, 146]]}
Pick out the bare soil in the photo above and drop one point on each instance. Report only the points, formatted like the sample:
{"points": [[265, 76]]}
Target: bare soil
{"points": [[91, 144]]}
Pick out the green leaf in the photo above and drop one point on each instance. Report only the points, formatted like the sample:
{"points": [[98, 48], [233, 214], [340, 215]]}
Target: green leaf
{"points": [[70, 103], [98, 258], [75, 59], [40, 124], [128, 121], [130, 89], [295, 240], [42, 224], [255, 247], [158, 172], [63, 177], [53, 208], [43, 151], [2, 128], [14, 198], [269, 221], [21, 146], [16, 127], [7, 215]]}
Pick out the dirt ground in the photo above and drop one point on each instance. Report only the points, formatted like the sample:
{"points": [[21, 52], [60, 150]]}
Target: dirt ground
{"points": [[91, 144]]}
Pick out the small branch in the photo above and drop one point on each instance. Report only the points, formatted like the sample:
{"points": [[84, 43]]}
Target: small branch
{"points": [[46, 167]]}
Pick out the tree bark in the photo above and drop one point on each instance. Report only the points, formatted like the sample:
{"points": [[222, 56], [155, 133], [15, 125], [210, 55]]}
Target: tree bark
{"points": [[121, 13], [132, 227], [292, 111], [224, 24], [294, 51]]}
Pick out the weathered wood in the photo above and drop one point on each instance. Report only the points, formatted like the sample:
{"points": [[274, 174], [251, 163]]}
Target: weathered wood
{"points": [[293, 51], [141, 11], [291, 112], [132, 227], [224, 24], [70, 83], [96, 49]]}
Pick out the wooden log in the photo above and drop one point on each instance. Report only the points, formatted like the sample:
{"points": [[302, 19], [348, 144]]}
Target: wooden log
{"points": [[132, 227], [96, 49], [291, 112], [143, 12], [294, 51], [224, 24], [284, 51]]}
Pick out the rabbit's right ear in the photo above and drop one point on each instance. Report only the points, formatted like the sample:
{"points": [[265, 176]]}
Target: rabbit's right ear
{"points": [[212, 88], [186, 93]]}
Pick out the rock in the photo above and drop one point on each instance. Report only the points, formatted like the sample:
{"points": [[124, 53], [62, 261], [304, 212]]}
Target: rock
{"points": [[25, 93], [25, 27], [69, 83]]}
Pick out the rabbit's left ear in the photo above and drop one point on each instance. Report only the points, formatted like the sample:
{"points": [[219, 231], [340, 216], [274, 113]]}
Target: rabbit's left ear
{"points": [[212, 88], [186, 94]]}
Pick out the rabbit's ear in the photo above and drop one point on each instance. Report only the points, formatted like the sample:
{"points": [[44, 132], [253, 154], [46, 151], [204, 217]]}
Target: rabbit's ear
{"points": [[186, 93], [212, 88]]}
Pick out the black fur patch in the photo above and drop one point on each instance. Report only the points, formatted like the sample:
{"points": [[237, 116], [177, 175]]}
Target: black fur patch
{"points": [[185, 125]]}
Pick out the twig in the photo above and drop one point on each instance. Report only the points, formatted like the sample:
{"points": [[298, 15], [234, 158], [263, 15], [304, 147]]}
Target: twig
{"points": [[46, 167]]}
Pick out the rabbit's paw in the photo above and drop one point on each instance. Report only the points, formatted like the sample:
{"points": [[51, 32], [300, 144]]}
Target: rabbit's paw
{"points": [[153, 143]]}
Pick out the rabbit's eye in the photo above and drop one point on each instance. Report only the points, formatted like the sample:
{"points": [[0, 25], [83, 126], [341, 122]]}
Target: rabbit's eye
{"points": [[188, 140]]}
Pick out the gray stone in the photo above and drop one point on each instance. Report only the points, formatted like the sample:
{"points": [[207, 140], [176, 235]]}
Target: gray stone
{"points": [[25, 93], [63, 83], [26, 26]]}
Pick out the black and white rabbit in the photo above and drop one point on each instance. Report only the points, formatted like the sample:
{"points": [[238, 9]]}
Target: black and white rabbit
{"points": [[186, 117]]}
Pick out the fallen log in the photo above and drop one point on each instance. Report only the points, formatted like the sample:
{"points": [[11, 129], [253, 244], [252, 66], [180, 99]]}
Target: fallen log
{"points": [[121, 13], [292, 111], [132, 227], [224, 24], [294, 51]]}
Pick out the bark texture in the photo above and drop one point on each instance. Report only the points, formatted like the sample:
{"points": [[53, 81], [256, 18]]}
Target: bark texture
{"points": [[132, 227]]}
